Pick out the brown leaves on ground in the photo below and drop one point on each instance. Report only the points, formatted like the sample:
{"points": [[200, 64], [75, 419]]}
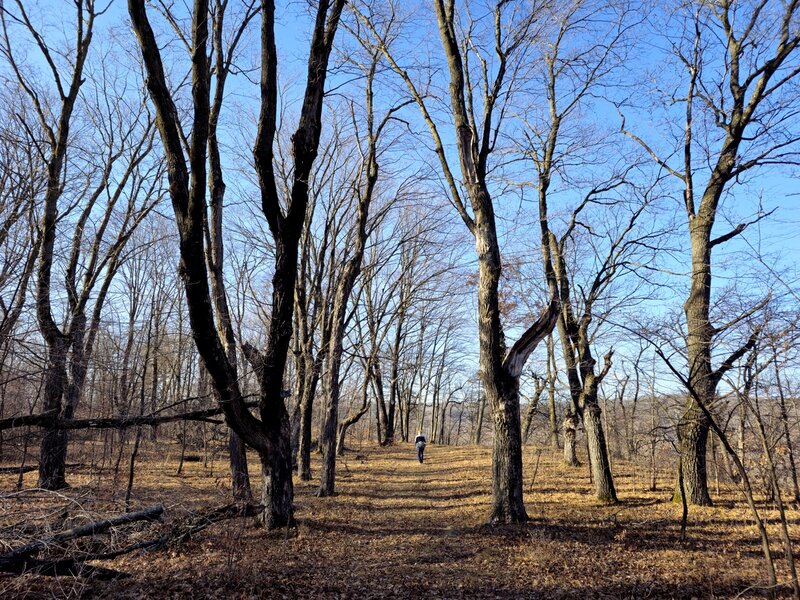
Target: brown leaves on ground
{"points": [[399, 529]]}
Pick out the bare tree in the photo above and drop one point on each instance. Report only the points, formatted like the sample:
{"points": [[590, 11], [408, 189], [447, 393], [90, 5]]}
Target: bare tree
{"points": [[476, 126], [271, 434], [92, 185], [364, 191], [224, 56], [22, 178], [312, 313], [57, 132], [575, 67], [740, 66]]}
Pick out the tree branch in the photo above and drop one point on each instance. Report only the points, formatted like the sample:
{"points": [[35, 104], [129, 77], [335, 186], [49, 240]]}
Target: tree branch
{"points": [[738, 229], [522, 348], [49, 420], [728, 363]]}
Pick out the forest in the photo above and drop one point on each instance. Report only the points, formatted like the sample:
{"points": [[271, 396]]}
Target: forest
{"points": [[251, 251]]}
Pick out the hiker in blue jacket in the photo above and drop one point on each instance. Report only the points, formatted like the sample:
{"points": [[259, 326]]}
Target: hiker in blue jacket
{"points": [[419, 442]]}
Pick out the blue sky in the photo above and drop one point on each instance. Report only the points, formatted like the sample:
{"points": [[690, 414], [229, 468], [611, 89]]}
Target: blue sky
{"points": [[776, 238]]}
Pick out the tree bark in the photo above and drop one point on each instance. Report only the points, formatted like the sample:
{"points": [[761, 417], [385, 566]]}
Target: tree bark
{"points": [[52, 452], [551, 392], [693, 426], [479, 419], [307, 413], [277, 488], [598, 455], [570, 425], [240, 474]]}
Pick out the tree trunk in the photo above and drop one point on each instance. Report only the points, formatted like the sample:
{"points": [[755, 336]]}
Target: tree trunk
{"points": [[355, 417], [307, 415], [653, 438], [345, 425], [479, 421], [692, 439], [340, 437], [551, 392], [384, 420], [693, 426], [391, 422], [394, 383], [240, 475], [598, 455], [500, 387], [276, 461], [295, 421], [53, 449], [277, 492], [784, 416], [571, 423], [328, 441], [507, 504]]}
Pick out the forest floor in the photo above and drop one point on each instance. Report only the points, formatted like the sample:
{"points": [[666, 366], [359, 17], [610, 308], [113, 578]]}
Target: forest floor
{"points": [[400, 529]]}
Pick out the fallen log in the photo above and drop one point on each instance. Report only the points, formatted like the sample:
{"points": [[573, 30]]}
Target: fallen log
{"points": [[21, 559], [17, 470], [223, 513], [31, 468], [69, 566]]}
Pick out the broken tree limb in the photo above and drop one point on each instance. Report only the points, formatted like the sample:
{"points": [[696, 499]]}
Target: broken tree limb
{"points": [[49, 420], [223, 513], [22, 560], [68, 566], [17, 470], [17, 561], [185, 529]]}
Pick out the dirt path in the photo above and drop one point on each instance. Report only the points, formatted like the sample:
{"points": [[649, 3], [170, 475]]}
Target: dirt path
{"points": [[398, 529]]}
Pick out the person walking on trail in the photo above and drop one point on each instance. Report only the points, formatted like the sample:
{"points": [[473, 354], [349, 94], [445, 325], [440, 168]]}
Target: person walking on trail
{"points": [[419, 442]]}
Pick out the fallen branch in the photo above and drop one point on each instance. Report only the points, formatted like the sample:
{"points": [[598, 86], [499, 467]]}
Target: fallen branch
{"points": [[182, 531], [199, 522], [51, 421], [17, 470], [20, 560], [31, 468], [68, 566]]}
